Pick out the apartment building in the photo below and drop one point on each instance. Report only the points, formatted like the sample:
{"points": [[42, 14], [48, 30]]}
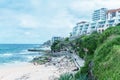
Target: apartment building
{"points": [[80, 28], [99, 14], [113, 17], [101, 20], [75, 31], [92, 27]]}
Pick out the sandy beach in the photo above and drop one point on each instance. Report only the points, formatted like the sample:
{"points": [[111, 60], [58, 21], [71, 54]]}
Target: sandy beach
{"points": [[28, 71]]}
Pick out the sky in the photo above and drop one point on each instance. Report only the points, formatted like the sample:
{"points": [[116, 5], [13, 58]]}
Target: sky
{"points": [[36, 21]]}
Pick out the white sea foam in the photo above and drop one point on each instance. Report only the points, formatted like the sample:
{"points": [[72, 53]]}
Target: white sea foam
{"points": [[25, 52], [14, 63], [30, 57], [6, 55]]}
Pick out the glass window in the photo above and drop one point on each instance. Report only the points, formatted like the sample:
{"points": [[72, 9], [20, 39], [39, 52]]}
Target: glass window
{"points": [[113, 14]]}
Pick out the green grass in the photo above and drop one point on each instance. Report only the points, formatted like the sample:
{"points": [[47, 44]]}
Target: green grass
{"points": [[66, 76], [103, 50], [107, 60]]}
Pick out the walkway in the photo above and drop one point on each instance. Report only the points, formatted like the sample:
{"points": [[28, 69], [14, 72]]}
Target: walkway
{"points": [[79, 62]]}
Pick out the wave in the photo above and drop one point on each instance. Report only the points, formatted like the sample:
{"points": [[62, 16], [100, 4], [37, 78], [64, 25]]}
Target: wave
{"points": [[6, 55], [26, 52], [13, 63], [29, 57]]}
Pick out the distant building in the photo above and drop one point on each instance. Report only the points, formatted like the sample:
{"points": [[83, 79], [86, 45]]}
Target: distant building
{"points": [[55, 39], [99, 14]]}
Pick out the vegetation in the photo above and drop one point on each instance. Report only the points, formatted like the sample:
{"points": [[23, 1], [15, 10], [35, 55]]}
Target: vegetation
{"points": [[101, 52], [66, 76], [55, 46], [41, 60], [107, 60]]}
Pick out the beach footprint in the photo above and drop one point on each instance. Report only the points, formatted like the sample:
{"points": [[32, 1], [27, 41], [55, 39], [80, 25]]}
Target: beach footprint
{"points": [[24, 77]]}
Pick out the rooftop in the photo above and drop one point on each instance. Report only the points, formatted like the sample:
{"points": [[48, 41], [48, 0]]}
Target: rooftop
{"points": [[81, 22], [113, 10]]}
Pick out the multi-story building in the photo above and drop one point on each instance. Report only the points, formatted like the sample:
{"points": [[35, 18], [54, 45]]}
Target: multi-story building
{"points": [[75, 31], [113, 17], [80, 29], [92, 27], [100, 26], [99, 14], [101, 20]]}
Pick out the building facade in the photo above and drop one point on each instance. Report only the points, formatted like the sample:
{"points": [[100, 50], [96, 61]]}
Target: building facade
{"points": [[101, 20], [55, 39], [99, 14], [80, 29], [113, 17]]}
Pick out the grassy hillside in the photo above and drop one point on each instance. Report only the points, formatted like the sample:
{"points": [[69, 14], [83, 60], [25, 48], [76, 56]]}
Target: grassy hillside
{"points": [[103, 52], [107, 60]]}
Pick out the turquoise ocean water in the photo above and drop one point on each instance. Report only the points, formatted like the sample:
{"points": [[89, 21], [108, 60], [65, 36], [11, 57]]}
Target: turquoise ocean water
{"points": [[17, 53]]}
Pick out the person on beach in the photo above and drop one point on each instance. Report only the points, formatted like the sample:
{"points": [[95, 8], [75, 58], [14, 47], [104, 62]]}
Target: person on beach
{"points": [[35, 63]]}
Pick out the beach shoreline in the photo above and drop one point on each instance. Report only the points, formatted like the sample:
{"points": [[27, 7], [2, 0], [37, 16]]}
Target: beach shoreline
{"points": [[28, 71]]}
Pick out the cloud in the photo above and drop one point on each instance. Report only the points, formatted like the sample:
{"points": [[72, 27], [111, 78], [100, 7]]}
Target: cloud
{"points": [[85, 8], [28, 21], [34, 21]]}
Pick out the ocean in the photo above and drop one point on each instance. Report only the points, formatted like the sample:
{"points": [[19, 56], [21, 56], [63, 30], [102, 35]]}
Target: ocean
{"points": [[17, 53]]}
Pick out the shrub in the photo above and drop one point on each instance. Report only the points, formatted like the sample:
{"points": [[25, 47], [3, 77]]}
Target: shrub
{"points": [[66, 76], [106, 60]]}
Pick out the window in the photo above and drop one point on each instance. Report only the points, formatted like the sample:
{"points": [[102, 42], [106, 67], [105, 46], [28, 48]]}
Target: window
{"points": [[113, 14], [102, 30]]}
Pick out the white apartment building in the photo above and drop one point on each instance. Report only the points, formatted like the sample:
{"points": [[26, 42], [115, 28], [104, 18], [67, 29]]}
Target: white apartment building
{"points": [[112, 19], [101, 20], [80, 29], [100, 26], [92, 27], [99, 14], [75, 31]]}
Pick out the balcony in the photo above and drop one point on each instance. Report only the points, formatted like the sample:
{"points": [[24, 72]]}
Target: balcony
{"points": [[111, 21]]}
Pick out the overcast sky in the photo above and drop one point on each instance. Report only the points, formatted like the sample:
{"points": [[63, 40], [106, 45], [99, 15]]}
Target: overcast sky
{"points": [[35, 21]]}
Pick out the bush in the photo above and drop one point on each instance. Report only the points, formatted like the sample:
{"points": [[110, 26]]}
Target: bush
{"points": [[108, 32], [106, 60], [66, 76], [55, 46]]}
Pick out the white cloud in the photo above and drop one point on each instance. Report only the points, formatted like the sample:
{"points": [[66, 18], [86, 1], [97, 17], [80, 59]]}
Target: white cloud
{"points": [[42, 19], [85, 8], [28, 21], [110, 4], [63, 20]]}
